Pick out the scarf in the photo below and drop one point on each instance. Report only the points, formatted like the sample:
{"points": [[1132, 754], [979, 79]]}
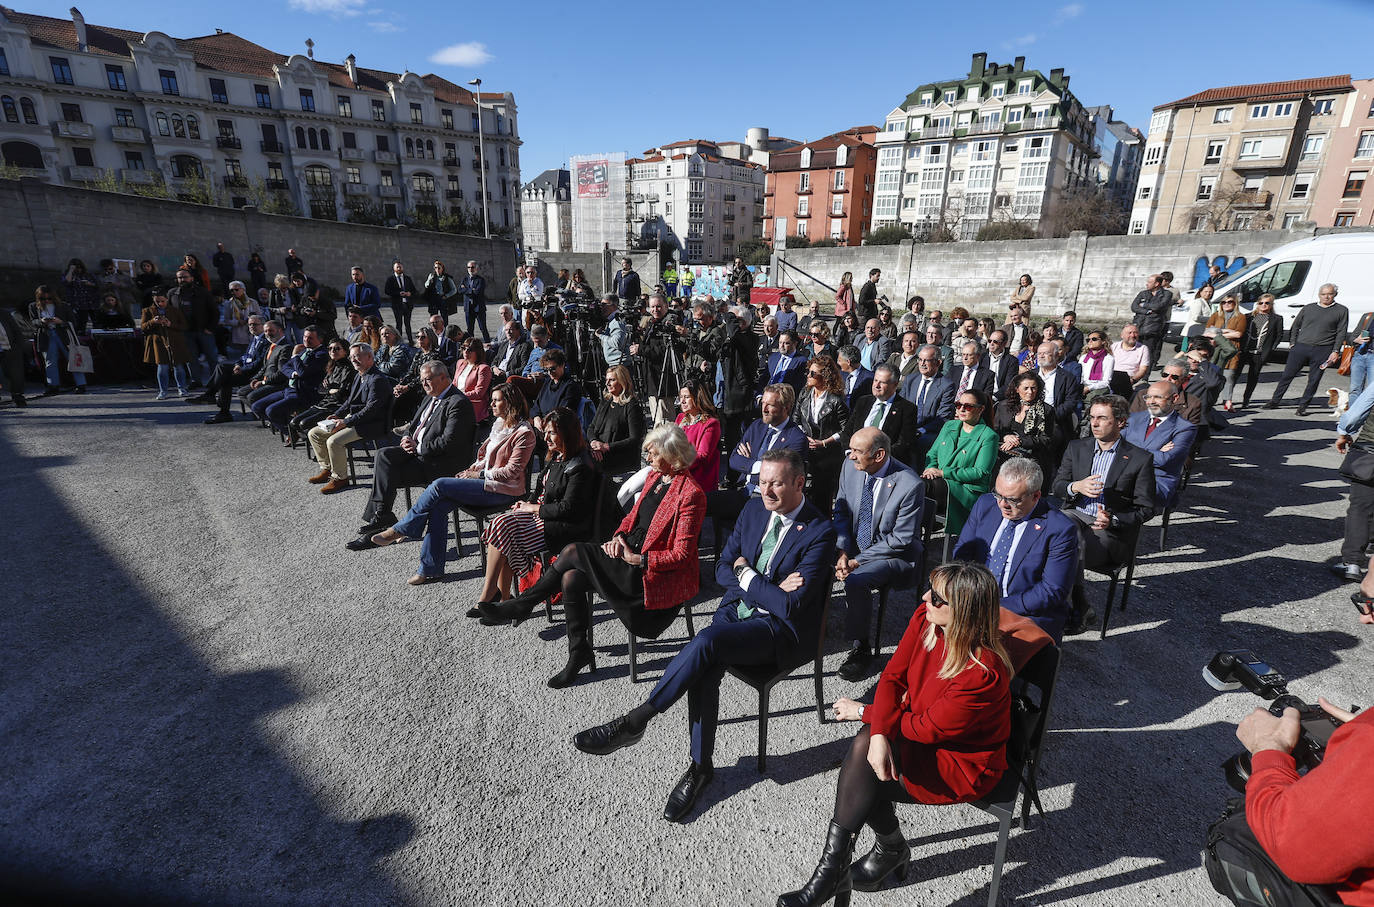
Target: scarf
{"points": [[1095, 372]]}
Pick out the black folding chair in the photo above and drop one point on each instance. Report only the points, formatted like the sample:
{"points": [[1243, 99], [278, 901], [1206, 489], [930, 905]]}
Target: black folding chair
{"points": [[1115, 572]]}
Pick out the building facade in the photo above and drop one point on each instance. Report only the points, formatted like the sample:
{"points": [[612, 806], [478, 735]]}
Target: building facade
{"points": [[546, 212], [1243, 157], [823, 189], [1002, 144], [694, 199], [227, 120], [1117, 152], [1342, 197]]}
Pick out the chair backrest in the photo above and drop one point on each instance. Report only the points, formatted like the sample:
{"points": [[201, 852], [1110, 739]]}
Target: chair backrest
{"points": [[1032, 692]]}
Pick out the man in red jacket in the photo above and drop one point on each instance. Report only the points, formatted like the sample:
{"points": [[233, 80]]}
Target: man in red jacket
{"points": [[1314, 827]]}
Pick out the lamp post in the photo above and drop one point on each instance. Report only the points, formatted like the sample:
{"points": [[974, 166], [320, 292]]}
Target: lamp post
{"points": [[481, 158]]}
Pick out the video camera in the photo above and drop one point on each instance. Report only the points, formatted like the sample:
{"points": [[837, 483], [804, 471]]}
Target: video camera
{"points": [[1242, 669]]}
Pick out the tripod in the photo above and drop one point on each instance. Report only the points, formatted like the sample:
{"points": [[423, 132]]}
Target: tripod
{"points": [[668, 368]]}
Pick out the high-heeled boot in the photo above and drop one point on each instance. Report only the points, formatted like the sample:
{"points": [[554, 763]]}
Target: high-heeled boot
{"points": [[890, 854], [579, 657], [831, 878]]}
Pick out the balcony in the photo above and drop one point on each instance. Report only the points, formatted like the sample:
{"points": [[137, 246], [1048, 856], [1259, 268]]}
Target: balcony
{"points": [[451, 160], [271, 147], [476, 164], [453, 193], [65, 130], [729, 217], [355, 188], [384, 157], [131, 135], [803, 214], [352, 154], [1253, 198], [729, 196], [985, 128], [228, 141], [139, 177], [234, 181], [389, 191], [277, 185], [729, 237], [79, 174]]}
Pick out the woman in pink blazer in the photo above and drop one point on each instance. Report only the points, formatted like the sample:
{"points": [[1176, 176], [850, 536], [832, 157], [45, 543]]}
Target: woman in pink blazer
{"points": [[495, 479], [472, 376]]}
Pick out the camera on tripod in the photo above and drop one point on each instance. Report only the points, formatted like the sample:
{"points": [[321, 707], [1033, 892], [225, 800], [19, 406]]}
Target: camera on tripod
{"points": [[1242, 669]]}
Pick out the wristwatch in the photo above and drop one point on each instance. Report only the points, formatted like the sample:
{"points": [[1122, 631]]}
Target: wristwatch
{"points": [[739, 570]]}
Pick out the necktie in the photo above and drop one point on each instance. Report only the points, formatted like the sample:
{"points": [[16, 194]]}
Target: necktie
{"points": [[879, 408], [1154, 423], [783, 363], [963, 382], [770, 543], [921, 395], [997, 561], [863, 530]]}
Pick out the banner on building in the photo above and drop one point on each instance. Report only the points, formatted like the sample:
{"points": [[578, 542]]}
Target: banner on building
{"points": [[598, 205], [593, 179]]}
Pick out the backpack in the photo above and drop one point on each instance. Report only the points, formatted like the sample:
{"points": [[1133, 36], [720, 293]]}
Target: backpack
{"points": [[1241, 871]]}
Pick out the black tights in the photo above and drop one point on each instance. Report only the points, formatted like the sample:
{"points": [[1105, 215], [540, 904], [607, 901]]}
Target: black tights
{"points": [[861, 798], [564, 575]]}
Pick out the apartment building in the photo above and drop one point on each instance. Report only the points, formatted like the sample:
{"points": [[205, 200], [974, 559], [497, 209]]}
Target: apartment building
{"points": [[89, 104], [694, 198], [1239, 157], [1000, 144], [546, 212], [1117, 152], [1342, 197], [823, 189]]}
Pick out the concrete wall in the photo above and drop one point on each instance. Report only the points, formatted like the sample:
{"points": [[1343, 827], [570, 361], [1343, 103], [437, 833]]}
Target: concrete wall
{"points": [[1096, 276], [45, 226]]}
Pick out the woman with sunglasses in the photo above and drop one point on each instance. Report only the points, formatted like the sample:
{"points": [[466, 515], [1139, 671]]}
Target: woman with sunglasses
{"points": [[697, 418], [962, 460], [936, 732], [338, 381], [847, 329], [819, 336], [821, 414]]}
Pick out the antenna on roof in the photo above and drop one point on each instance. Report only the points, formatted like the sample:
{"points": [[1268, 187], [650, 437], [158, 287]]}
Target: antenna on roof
{"points": [[310, 48]]}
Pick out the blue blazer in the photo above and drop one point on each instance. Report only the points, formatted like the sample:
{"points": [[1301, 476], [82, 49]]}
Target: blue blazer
{"points": [[807, 548], [795, 373], [364, 297], [937, 409], [368, 404], [863, 386], [1043, 566], [898, 498], [305, 373], [1168, 464], [793, 438]]}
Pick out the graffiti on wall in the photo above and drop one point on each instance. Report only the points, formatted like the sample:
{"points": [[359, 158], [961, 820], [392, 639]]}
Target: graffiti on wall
{"points": [[1202, 268]]}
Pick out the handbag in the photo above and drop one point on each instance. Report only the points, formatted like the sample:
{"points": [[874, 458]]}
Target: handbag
{"points": [[1347, 354], [79, 357], [1358, 465]]}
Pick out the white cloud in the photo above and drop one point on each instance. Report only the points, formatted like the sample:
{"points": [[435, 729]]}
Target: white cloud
{"points": [[332, 7], [383, 27], [1022, 41], [471, 53], [1071, 11]]}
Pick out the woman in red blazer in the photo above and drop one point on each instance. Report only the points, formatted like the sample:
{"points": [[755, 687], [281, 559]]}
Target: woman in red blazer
{"points": [[937, 732], [645, 572]]}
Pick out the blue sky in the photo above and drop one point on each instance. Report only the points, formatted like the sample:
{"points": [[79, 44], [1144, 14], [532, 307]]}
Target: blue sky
{"points": [[602, 77]]}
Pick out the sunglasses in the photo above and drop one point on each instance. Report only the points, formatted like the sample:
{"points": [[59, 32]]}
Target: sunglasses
{"points": [[968, 406], [1362, 604], [936, 601], [815, 374]]}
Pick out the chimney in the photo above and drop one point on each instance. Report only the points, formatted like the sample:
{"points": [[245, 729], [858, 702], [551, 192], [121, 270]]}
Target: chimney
{"points": [[351, 62], [1065, 82], [79, 21], [219, 31], [310, 48], [1057, 75], [1020, 64], [980, 62]]}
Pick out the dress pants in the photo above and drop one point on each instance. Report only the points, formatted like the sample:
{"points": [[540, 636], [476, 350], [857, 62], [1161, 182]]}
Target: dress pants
{"points": [[477, 318], [1359, 524], [430, 515], [1096, 548], [395, 470], [278, 413], [260, 406], [401, 312], [12, 362], [699, 668], [1155, 344], [262, 390], [331, 450], [1302, 354], [199, 343], [224, 381], [859, 586]]}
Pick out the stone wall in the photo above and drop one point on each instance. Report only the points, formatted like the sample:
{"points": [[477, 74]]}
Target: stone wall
{"points": [[45, 226], [1096, 276]]}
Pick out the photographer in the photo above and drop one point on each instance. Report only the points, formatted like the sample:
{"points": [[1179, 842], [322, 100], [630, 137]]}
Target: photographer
{"points": [[660, 350], [614, 336], [1313, 826], [706, 343]]}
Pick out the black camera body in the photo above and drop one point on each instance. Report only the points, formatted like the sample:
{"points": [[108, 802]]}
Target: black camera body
{"points": [[1242, 669]]}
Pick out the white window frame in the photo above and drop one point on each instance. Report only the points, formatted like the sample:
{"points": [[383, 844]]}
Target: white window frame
{"points": [[1223, 114], [1220, 146], [1365, 146]]}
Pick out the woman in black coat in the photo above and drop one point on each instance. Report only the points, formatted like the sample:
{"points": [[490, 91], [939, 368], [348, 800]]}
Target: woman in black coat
{"points": [[1262, 334], [1025, 424], [338, 381], [617, 429], [821, 413], [564, 512]]}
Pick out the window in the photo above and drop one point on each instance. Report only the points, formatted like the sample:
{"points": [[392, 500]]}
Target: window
{"points": [[1039, 147], [806, 157], [262, 96], [387, 178], [1160, 121], [168, 78], [233, 171], [837, 205], [1290, 221], [1032, 175], [839, 180], [804, 183], [193, 127], [133, 160], [1259, 111], [1366, 146], [82, 157], [803, 206], [324, 139], [1312, 147], [999, 90], [353, 175], [1016, 114], [161, 120], [379, 110], [307, 99], [1322, 107], [1243, 222], [422, 182], [350, 140], [124, 117], [417, 113], [446, 118], [410, 147], [30, 115], [183, 165], [932, 179], [178, 126], [114, 77], [1023, 87], [950, 96], [801, 228], [1215, 149], [61, 71], [1344, 220], [1354, 183], [345, 106], [71, 113], [1250, 149], [956, 176], [1137, 226], [4, 63], [1302, 185], [475, 122], [983, 151], [1283, 110], [1222, 114], [1205, 187], [218, 93], [1198, 223], [383, 143], [1145, 192], [501, 155], [889, 180], [274, 173], [454, 189], [980, 178], [1153, 155]]}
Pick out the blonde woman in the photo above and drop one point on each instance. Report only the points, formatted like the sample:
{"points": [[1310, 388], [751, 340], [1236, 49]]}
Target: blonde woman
{"points": [[617, 429]]}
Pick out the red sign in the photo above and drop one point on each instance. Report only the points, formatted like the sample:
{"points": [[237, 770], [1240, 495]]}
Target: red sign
{"points": [[593, 179]]}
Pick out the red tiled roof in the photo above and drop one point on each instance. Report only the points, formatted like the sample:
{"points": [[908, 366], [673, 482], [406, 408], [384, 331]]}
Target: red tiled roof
{"points": [[227, 52], [691, 142], [61, 34], [1263, 91]]}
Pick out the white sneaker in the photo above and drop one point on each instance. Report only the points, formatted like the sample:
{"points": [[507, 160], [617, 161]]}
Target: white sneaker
{"points": [[162, 395], [182, 393]]}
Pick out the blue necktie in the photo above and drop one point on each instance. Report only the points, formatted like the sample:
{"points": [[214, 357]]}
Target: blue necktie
{"points": [[921, 395], [863, 535], [997, 561]]}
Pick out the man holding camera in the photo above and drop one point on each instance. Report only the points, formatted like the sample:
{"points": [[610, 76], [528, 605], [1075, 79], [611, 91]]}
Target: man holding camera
{"points": [[659, 348]]}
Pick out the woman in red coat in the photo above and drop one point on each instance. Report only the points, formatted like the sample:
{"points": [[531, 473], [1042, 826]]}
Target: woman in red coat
{"points": [[937, 732], [645, 572]]}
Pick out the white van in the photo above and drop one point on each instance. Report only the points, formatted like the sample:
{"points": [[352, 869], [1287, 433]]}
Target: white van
{"points": [[1294, 271]]}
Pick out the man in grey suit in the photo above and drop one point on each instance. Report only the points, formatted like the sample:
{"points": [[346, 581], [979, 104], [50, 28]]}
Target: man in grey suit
{"points": [[877, 519], [933, 396], [437, 443]]}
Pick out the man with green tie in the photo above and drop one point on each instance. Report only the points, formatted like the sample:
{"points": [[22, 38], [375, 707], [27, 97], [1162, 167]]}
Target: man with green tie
{"points": [[884, 409], [775, 569]]}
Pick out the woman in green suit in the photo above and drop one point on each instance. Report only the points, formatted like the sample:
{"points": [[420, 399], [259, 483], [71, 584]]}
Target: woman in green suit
{"points": [[963, 459]]}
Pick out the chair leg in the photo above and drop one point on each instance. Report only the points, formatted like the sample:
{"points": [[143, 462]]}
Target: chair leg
{"points": [[878, 633], [351, 470], [691, 628], [763, 730], [1126, 590], [409, 503], [1163, 531], [1107, 612], [634, 663], [1003, 832], [816, 673]]}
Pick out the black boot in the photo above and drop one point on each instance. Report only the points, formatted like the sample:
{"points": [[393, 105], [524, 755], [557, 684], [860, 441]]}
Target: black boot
{"points": [[831, 878], [890, 854], [579, 657]]}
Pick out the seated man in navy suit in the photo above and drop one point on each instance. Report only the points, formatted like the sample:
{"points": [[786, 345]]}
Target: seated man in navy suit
{"points": [[858, 381], [932, 395], [1166, 435], [969, 373], [877, 520], [773, 430], [1029, 546], [787, 365], [775, 569]]}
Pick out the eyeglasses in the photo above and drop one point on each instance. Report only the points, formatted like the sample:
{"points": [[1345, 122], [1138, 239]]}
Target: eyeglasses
{"points": [[815, 374], [472, 267], [1364, 607], [968, 406], [1172, 376], [936, 601], [1010, 502]]}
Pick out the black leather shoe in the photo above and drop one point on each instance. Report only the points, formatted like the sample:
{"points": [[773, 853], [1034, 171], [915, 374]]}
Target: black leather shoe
{"points": [[1351, 573], [219, 418], [199, 399], [1081, 624], [576, 662], [362, 543], [605, 739], [512, 612], [891, 855], [1270, 405], [831, 878], [684, 795], [20, 401], [379, 522], [855, 665], [1301, 411]]}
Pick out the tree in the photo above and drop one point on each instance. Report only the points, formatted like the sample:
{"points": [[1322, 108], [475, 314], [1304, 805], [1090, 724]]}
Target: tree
{"points": [[1006, 229], [1219, 212], [363, 210], [890, 235], [826, 243], [754, 252], [797, 241], [1087, 208]]}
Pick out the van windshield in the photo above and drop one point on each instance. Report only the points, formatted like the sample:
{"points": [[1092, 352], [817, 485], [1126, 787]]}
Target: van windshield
{"points": [[1249, 269], [1283, 279]]}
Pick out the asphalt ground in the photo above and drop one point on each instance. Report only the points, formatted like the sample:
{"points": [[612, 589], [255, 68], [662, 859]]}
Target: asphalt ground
{"points": [[207, 699]]}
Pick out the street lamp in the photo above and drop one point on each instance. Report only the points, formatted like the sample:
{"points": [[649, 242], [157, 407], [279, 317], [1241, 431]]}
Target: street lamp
{"points": [[481, 158]]}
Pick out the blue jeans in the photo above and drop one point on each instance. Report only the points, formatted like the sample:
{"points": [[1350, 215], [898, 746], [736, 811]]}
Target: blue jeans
{"points": [[1360, 364], [430, 517], [56, 350], [199, 343], [164, 375]]}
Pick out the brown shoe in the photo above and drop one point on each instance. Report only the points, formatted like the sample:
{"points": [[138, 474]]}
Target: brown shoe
{"points": [[420, 579], [321, 477], [334, 485]]}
